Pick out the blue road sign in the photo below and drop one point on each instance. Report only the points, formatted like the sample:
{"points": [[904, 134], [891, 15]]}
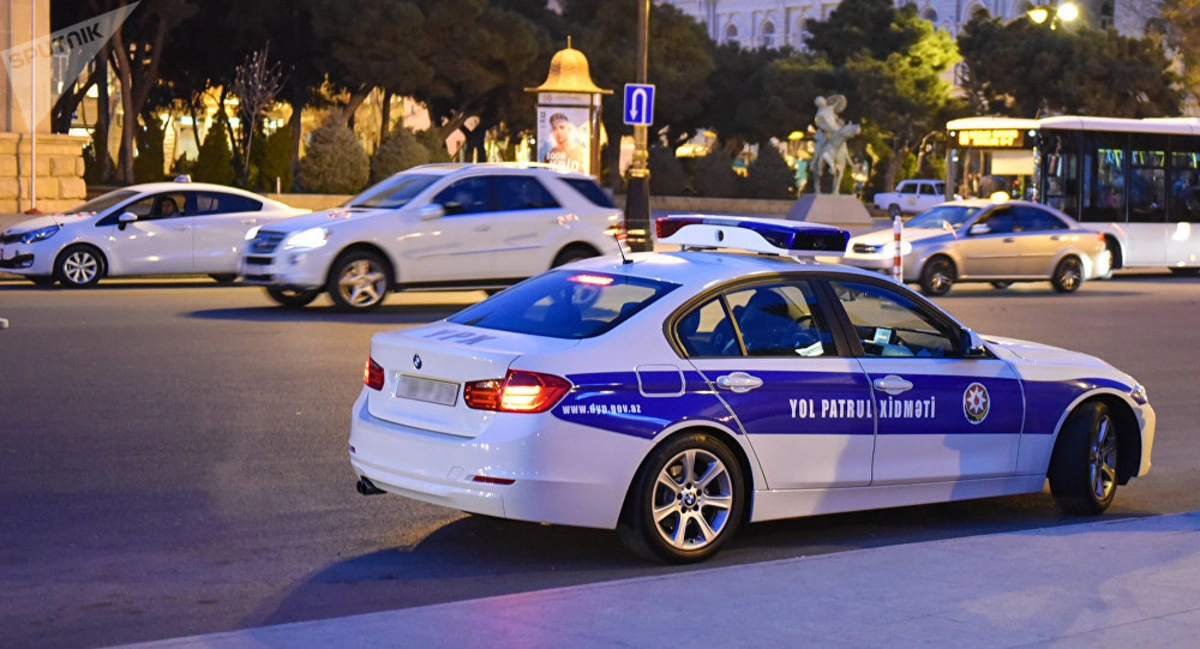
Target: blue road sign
{"points": [[639, 104]]}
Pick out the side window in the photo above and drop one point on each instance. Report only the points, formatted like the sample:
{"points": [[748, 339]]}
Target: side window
{"points": [[1000, 221], [708, 331], [781, 320], [590, 190], [890, 324], [907, 188], [521, 193], [214, 203], [926, 189], [466, 196], [159, 206], [1030, 219]]}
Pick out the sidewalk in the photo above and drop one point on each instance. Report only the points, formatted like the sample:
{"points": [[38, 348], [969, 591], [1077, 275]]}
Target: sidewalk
{"points": [[1129, 582]]}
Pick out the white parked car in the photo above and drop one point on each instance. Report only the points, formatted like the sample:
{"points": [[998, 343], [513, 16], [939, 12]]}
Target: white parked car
{"points": [[911, 196], [684, 394], [440, 226], [149, 229]]}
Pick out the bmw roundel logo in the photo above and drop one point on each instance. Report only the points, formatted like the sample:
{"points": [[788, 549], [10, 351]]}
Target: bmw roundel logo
{"points": [[417, 361]]}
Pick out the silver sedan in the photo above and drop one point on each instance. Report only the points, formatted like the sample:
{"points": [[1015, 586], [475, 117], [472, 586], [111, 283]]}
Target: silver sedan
{"points": [[985, 241]]}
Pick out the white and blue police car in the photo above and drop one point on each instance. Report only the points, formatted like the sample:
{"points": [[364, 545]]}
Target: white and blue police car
{"points": [[676, 395]]}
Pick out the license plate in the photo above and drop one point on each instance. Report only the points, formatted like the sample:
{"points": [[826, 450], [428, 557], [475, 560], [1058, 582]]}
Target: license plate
{"points": [[428, 390]]}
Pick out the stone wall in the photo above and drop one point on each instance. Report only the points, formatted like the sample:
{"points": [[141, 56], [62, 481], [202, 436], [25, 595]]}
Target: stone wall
{"points": [[60, 184]]}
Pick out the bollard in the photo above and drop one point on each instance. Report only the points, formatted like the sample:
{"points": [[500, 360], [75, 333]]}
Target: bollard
{"points": [[897, 262]]}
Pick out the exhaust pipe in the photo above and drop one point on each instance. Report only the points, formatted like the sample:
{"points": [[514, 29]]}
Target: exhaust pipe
{"points": [[367, 488]]}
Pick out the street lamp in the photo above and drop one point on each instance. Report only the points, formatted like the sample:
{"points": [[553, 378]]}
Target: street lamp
{"points": [[637, 198], [1066, 12]]}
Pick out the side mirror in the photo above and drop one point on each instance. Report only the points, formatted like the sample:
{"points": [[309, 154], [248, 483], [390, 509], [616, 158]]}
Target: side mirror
{"points": [[980, 228], [431, 212], [125, 219], [973, 346]]}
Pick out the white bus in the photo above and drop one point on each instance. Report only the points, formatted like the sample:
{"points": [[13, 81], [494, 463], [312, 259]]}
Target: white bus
{"points": [[1136, 180]]}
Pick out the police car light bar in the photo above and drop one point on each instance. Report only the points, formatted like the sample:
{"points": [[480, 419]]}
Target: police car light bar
{"points": [[767, 236]]}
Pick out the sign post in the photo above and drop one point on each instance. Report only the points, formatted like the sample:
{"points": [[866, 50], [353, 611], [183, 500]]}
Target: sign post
{"points": [[568, 115]]}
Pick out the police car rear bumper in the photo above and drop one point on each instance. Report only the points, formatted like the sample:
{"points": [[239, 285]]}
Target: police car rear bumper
{"points": [[552, 482]]}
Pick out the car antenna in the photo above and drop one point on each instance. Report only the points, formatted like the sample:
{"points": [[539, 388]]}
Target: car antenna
{"points": [[619, 237]]}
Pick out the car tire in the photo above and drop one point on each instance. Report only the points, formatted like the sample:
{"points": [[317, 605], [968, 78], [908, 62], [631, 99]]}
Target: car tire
{"points": [[292, 298], [1083, 467], [938, 276], [1068, 275], [572, 254], [223, 278], [79, 266], [1002, 285], [669, 516], [894, 210], [358, 281], [1185, 272], [42, 280]]}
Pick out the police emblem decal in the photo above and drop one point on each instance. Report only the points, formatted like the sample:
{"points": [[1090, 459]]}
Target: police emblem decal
{"points": [[976, 403]]}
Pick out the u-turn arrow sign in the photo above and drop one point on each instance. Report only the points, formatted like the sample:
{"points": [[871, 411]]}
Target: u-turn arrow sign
{"points": [[639, 104]]}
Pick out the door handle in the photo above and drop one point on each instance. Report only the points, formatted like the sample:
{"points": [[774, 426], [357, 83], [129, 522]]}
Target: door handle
{"points": [[739, 382], [183, 227], [481, 228], [893, 385], [1009, 240], [249, 221], [1055, 237]]}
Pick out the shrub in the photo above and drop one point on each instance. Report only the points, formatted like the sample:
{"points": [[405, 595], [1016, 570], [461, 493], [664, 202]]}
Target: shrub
{"points": [[714, 177], [335, 162], [401, 150], [149, 163], [667, 177], [214, 162], [435, 145], [769, 175], [271, 158]]}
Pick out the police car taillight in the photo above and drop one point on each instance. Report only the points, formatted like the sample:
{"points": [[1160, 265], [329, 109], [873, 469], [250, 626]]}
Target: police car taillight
{"points": [[519, 391], [373, 374]]}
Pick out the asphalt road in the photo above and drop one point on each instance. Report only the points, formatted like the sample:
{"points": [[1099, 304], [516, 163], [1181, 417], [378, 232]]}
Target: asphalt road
{"points": [[172, 461]]}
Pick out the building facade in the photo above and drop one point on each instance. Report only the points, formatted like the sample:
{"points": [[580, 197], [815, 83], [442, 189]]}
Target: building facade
{"points": [[776, 23]]}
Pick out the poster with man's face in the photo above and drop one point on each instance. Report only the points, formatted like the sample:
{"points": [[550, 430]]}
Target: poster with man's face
{"points": [[565, 138]]}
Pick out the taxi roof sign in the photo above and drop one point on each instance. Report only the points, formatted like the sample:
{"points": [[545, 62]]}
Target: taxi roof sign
{"points": [[766, 236]]}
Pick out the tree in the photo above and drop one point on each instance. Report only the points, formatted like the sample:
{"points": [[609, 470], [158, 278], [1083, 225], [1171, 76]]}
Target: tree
{"points": [[255, 83], [401, 150], [667, 172], [769, 175], [1026, 70], [714, 177], [335, 162], [214, 162], [680, 63], [890, 71], [742, 107], [1181, 23]]}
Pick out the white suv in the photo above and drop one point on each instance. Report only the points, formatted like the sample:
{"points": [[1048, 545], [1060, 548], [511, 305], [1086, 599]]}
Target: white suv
{"points": [[911, 197], [442, 226]]}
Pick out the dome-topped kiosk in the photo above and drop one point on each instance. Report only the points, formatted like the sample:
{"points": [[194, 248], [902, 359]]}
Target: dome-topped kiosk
{"points": [[568, 114]]}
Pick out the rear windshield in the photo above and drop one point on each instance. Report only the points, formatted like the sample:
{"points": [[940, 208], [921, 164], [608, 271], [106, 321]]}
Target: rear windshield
{"points": [[565, 304]]}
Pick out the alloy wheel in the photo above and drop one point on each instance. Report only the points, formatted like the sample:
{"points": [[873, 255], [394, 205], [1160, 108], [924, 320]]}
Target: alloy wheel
{"points": [[1102, 459], [362, 283], [692, 499]]}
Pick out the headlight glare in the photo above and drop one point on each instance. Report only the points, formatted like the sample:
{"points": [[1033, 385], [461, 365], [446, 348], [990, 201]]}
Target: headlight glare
{"points": [[40, 234], [307, 239]]}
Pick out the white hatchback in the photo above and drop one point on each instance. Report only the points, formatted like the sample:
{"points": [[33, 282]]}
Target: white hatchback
{"points": [[441, 226], [149, 229]]}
